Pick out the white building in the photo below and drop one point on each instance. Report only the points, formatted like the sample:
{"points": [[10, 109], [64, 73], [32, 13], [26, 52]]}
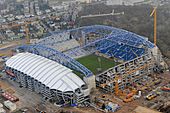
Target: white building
{"points": [[49, 78]]}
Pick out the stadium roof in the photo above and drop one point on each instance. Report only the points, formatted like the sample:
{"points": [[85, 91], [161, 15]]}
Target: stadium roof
{"points": [[48, 72]]}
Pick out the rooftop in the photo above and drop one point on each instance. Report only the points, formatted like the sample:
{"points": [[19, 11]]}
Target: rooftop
{"points": [[48, 72]]}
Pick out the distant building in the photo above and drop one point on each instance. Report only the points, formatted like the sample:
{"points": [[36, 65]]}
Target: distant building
{"points": [[52, 3], [26, 7], [4, 11], [122, 2], [87, 1], [45, 1], [31, 7], [114, 2], [19, 0]]}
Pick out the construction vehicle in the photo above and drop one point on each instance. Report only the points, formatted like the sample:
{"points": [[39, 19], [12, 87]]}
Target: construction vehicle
{"points": [[133, 92], [2, 55], [151, 96], [10, 73], [166, 88], [10, 97], [138, 96], [157, 81], [126, 100], [143, 88], [40, 108], [130, 97]]}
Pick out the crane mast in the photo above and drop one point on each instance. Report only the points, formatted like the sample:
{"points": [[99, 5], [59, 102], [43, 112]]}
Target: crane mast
{"points": [[154, 13]]}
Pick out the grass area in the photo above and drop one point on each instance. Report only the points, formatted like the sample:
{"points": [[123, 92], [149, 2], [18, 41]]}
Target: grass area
{"points": [[95, 63]]}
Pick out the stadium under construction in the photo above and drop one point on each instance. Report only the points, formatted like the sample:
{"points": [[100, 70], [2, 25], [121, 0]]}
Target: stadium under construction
{"points": [[51, 66]]}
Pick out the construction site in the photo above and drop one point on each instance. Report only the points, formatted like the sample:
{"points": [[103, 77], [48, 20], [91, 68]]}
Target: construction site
{"points": [[89, 69]]}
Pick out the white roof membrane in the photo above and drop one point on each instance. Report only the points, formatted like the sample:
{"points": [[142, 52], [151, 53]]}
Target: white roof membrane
{"points": [[48, 72]]}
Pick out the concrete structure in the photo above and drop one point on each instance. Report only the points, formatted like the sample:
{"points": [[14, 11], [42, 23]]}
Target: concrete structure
{"points": [[129, 73], [48, 78]]}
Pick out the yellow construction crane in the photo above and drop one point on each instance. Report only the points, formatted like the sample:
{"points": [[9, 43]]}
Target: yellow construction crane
{"points": [[117, 78], [27, 34], [154, 13], [116, 88]]}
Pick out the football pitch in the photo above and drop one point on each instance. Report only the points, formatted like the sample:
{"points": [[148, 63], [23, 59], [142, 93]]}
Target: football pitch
{"points": [[96, 64]]}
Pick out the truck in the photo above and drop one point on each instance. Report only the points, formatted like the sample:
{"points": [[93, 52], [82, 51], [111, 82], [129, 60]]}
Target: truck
{"points": [[151, 96]]}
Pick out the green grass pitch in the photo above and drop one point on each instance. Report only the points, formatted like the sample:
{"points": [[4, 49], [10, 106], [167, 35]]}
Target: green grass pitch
{"points": [[94, 63]]}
